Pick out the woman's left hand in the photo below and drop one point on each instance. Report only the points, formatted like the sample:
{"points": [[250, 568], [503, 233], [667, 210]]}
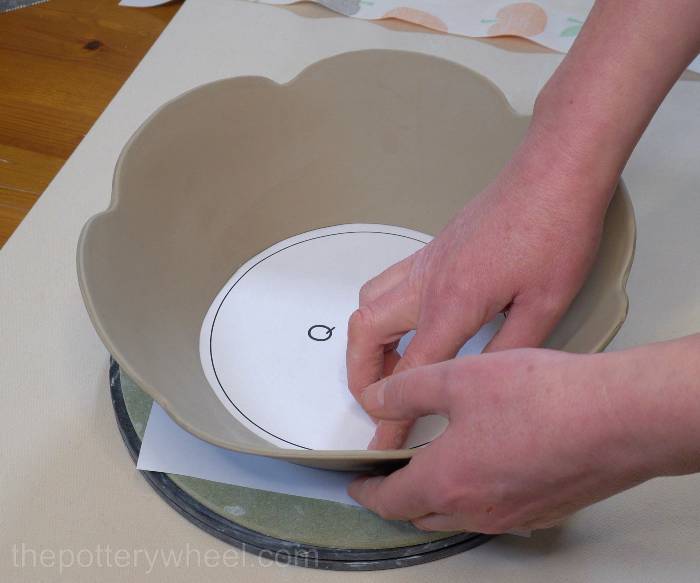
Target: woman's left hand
{"points": [[533, 436]]}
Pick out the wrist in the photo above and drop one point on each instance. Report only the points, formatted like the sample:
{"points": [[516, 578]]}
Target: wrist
{"points": [[561, 177], [655, 397], [573, 147], [583, 129]]}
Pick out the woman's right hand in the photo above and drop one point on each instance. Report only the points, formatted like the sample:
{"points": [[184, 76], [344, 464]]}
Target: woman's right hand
{"points": [[525, 244]]}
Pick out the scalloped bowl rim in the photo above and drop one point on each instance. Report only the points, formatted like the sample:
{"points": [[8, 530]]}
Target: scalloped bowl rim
{"points": [[370, 456]]}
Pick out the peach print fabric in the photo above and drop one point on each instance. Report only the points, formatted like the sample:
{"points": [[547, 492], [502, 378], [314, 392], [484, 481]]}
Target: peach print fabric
{"points": [[551, 23]]}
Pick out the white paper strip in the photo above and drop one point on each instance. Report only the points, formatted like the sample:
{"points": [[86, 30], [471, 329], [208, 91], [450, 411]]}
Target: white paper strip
{"points": [[166, 447]]}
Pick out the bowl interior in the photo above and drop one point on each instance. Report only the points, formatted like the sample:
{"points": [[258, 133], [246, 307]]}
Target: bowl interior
{"points": [[230, 168]]}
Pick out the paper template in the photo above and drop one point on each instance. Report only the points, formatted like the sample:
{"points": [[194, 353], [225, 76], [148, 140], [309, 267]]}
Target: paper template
{"points": [[168, 448], [273, 342]]}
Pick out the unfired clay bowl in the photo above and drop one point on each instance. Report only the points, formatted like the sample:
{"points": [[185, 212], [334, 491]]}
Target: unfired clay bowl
{"points": [[230, 168]]}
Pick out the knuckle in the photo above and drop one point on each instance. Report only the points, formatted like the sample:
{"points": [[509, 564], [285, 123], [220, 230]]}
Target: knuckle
{"points": [[550, 305], [361, 320], [455, 285], [453, 288], [367, 292], [395, 392], [411, 359]]}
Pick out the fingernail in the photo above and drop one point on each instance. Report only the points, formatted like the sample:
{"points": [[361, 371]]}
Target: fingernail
{"points": [[373, 397]]}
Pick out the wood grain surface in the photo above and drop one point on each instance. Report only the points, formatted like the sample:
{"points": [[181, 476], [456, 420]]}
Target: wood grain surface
{"points": [[61, 63]]}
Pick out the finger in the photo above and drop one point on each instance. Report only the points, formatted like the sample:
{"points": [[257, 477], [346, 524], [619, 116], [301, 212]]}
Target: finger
{"points": [[402, 495], [385, 281], [526, 326], [393, 434], [391, 359], [409, 395], [538, 524], [370, 329], [390, 434], [439, 336], [460, 522], [443, 523]]}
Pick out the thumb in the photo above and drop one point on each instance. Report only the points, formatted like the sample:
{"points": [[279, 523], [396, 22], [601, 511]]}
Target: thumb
{"points": [[409, 394]]}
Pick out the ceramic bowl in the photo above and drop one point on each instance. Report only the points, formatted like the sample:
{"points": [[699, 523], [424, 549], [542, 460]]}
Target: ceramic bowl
{"points": [[230, 168]]}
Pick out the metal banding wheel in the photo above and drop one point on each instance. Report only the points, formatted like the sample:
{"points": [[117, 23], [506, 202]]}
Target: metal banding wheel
{"points": [[329, 535]]}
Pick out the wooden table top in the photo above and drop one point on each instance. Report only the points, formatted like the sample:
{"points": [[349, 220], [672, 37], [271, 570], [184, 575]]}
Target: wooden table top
{"points": [[61, 63]]}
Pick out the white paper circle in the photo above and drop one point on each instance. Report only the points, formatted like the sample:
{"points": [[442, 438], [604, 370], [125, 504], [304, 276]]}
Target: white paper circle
{"points": [[273, 342]]}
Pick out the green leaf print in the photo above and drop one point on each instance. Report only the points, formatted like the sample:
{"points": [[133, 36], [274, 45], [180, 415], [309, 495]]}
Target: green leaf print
{"points": [[571, 30]]}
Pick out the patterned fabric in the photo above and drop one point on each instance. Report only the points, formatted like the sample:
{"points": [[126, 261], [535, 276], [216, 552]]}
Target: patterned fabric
{"points": [[551, 23]]}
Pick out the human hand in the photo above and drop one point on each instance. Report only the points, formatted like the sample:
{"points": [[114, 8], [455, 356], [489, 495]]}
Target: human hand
{"points": [[525, 245], [533, 436]]}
